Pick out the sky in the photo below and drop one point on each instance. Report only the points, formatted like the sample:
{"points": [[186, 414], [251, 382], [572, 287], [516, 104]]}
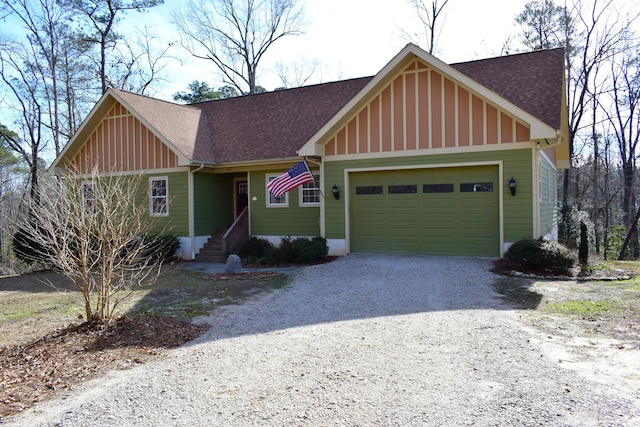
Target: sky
{"points": [[353, 38]]}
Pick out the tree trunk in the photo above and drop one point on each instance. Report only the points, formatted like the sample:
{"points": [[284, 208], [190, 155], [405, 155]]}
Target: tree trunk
{"points": [[630, 235], [628, 205]]}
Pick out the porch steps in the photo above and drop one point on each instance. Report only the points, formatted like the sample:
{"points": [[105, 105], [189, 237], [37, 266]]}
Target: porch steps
{"points": [[212, 250]]}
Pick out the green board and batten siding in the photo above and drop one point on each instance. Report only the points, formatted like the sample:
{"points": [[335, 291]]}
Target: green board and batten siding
{"points": [[517, 210], [294, 220], [177, 222], [213, 201]]}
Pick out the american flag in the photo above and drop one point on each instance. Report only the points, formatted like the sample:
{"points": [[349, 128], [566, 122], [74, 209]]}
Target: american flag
{"points": [[297, 175]]}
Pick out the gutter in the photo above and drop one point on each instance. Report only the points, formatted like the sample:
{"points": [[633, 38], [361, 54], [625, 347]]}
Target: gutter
{"points": [[542, 144], [192, 210]]}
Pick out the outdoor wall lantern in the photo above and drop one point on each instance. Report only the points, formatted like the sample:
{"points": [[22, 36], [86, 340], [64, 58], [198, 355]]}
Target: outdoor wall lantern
{"points": [[512, 186], [335, 191]]}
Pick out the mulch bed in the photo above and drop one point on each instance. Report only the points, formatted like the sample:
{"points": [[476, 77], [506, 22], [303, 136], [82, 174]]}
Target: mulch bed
{"points": [[32, 372]]}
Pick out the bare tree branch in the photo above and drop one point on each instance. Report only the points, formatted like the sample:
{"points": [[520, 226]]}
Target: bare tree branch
{"points": [[428, 14], [235, 35]]}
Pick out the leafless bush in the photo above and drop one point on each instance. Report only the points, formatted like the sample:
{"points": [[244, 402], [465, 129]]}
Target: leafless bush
{"points": [[92, 229]]}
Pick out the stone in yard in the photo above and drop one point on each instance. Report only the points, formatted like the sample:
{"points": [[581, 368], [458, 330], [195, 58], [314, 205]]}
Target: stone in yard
{"points": [[234, 266]]}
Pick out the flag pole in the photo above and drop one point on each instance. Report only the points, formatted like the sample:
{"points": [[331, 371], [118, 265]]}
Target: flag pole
{"points": [[314, 179]]}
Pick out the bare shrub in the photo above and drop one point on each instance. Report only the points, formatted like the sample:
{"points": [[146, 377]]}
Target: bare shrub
{"points": [[92, 229]]}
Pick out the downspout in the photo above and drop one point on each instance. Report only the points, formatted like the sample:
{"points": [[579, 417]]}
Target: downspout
{"points": [[192, 209]]}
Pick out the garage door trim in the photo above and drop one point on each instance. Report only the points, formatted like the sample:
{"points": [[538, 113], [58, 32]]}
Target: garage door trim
{"points": [[347, 181]]}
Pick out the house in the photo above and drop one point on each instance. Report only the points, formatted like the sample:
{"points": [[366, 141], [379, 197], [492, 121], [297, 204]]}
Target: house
{"points": [[424, 157]]}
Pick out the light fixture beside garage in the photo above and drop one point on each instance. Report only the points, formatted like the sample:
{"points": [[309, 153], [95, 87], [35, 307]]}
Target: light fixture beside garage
{"points": [[335, 192], [512, 186]]}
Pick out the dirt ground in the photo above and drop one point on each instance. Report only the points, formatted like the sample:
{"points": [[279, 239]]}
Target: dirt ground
{"points": [[590, 326], [33, 371]]}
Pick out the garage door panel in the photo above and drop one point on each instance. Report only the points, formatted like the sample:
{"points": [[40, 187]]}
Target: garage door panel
{"points": [[476, 233], [371, 203], [437, 218], [430, 235]]}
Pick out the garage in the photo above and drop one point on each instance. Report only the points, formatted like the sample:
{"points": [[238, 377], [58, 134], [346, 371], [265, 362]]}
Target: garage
{"points": [[448, 211]]}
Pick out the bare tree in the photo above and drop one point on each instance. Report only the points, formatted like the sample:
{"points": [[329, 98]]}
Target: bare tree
{"points": [[591, 33], [22, 80], [46, 27], [77, 78], [622, 110], [601, 33], [298, 73], [544, 25], [429, 13], [8, 165], [94, 230], [141, 63], [235, 35], [102, 16]]}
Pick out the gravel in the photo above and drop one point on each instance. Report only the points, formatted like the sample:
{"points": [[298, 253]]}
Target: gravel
{"points": [[364, 340]]}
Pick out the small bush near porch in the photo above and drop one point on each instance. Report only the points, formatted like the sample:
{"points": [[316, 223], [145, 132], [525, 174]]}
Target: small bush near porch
{"points": [[300, 250]]}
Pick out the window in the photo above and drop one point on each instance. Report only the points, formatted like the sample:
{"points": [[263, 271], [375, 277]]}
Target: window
{"points": [[437, 188], [477, 187], [159, 196], [373, 189], [243, 188], [310, 192], [89, 197], [403, 189], [282, 201]]}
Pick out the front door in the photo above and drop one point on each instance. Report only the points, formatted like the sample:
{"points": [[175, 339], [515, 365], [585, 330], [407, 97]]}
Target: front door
{"points": [[242, 196]]}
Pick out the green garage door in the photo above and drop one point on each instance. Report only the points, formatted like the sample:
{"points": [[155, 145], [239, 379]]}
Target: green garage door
{"points": [[451, 211]]}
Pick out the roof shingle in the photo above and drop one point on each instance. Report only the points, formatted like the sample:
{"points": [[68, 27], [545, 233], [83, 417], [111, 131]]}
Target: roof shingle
{"points": [[532, 81], [271, 125], [275, 125]]}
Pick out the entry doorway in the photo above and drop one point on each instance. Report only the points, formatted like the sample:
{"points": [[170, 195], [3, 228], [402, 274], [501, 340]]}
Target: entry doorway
{"points": [[241, 196]]}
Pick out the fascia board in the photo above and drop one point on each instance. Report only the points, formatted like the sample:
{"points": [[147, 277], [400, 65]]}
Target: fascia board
{"points": [[96, 114]]}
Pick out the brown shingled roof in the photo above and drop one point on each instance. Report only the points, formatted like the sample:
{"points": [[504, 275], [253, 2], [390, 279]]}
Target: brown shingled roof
{"points": [[271, 125], [275, 125], [532, 81], [177, 123]]}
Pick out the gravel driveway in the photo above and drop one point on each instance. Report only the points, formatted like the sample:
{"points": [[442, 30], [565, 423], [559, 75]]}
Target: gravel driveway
{"points": [[364, 340]]}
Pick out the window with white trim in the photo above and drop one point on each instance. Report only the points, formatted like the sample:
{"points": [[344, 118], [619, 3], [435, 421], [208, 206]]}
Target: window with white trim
{"points": [[281, 201], [159, 196], [310, 192], [89, 197]]}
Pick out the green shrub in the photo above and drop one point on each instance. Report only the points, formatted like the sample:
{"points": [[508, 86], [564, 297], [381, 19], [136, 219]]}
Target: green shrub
{"points": [[300, 250], [309, 250], [283, 253], [162, 247], [541, 255], [615, 239], [255, 249]]}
